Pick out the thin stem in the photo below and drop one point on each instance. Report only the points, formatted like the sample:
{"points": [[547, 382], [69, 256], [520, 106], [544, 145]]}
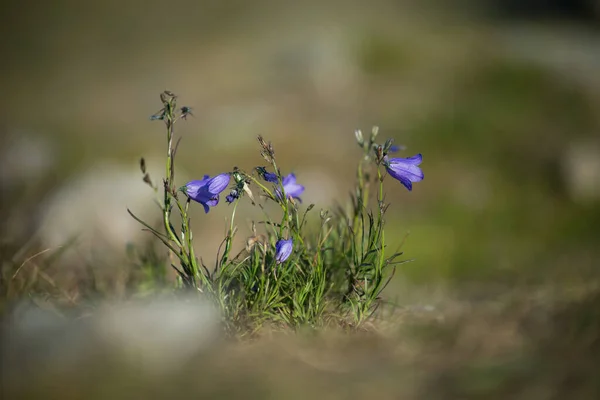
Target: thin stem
{"points": [[229, 235], [263, 187], [186, 237], [169, 174], [285, 204], [380, 204]]}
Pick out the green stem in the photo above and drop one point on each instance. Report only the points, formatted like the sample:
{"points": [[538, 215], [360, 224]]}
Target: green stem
{"points": [[285, 204], [169, 173], [297, 230], [186, 237], [263, 187], [380, 195], [229, 236]]}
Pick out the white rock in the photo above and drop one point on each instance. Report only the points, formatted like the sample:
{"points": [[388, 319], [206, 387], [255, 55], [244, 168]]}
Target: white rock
{"points": [[153, 337], [92, 207], [159, 336]]}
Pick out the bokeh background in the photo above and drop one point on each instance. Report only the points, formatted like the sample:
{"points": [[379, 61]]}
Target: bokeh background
{"points": [[500, 97]]}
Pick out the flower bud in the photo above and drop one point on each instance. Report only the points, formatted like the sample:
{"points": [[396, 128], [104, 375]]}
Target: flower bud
{"points": [[359, 137], [283, 250]]}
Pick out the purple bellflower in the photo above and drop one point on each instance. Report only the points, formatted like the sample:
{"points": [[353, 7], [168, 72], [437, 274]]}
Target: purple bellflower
{"points": [[270, 177], [206, 191], [267, 176], [291, 188], [283, 250], [405, 170], [232, 196]]}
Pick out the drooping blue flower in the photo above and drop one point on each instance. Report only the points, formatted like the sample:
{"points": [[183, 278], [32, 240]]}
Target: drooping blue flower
{"points": [[232, 196], [405, 170], [267, 176], [206, 191], [291, 188], [283, 250], [270, 177]]}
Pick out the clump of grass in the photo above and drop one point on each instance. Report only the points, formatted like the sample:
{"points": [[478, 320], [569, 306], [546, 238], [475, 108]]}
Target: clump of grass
{"points": [[286, 275]]}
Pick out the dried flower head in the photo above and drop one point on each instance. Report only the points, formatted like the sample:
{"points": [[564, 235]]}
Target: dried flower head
{"points": [[267, 151]]}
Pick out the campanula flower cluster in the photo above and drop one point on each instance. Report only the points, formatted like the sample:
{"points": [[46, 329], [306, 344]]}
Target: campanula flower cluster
{"points": [[284, 273]]}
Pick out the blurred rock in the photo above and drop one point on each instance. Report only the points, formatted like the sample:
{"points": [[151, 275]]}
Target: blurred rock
{"points": [[91, 210], [581, 170], [160, 336], [156, 337]]}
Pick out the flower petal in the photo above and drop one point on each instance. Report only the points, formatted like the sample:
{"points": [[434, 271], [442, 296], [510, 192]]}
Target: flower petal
{"points": [[294, 190], [219, 183], [289, 180], [270, 177], [200, 195], [193, 186], [415, 160], [403, 179], [213, 201]]}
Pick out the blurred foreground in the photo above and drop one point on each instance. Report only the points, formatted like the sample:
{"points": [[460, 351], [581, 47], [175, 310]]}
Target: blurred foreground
{"points": [[518, 346]]}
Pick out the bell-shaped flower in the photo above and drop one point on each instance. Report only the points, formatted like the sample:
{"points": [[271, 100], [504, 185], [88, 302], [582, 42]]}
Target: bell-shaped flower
{"points": [[233, 195], [270, 177], [405, 170], [291, 188], [283, 250], [267, 176], [206, 191]]}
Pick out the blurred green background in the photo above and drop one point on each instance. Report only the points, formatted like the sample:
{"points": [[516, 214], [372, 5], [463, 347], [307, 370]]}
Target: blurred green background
{"points": [[500, 99]]}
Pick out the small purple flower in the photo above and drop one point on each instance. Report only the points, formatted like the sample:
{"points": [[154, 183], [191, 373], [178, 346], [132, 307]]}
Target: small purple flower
{"points": [[405, 170], [232, 196], [270, 177], [283, 250], [291, 188], [267, 176], [206, 191]]}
